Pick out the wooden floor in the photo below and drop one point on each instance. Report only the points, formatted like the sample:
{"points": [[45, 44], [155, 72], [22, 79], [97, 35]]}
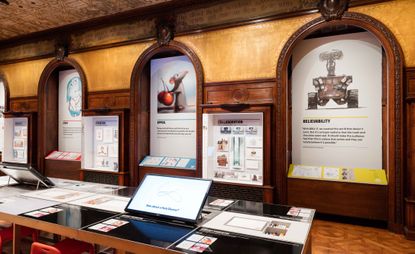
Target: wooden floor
{"points": [[338, 238]]}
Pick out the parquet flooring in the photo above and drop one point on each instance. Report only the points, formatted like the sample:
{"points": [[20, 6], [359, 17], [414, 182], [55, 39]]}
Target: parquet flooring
{"points": [[338, 238]]}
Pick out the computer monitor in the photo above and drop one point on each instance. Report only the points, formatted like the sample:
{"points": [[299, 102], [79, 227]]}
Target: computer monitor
{"points": [[171, 197], [25, 174]]}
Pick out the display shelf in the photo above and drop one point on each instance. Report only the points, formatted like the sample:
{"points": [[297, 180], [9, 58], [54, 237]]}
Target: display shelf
{"points": [[103, 143]]}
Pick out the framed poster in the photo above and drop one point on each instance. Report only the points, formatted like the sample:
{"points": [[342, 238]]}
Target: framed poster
{"points": [[233, 147], [337, 102], [70, 105], [100, 143], [173, 107], [15, 140]]}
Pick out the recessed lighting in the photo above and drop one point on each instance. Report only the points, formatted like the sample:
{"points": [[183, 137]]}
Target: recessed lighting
{"points": [[4, 2]]}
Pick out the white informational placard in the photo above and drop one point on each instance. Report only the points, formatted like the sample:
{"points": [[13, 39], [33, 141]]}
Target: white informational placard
{"points": [[100, 143], [173, 107], [58, 194], [336, 102], [2, 101], [70, 105], [15, 140], [19, 204], [259, 226], [233, 147], [104, 202]]}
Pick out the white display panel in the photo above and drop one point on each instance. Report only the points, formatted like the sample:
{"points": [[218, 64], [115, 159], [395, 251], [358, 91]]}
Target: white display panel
{"points": [[100, 143], [70, 105], [173, 107], [233, 147], [173, 197], [15, 140], [259, 226], [2, 101], [337, 102]]}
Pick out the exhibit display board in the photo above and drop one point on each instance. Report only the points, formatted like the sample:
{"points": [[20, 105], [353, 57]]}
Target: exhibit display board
{"points": [[352, 175], [337, 102], [15, 140], [100, 143], [233, 147], [173, 107], [70, 105], [2, 108]]}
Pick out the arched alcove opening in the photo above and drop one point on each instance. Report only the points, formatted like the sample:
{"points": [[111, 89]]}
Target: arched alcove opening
{"points": [[380, 202], [142, 119], [4, 106], [61, 97]]}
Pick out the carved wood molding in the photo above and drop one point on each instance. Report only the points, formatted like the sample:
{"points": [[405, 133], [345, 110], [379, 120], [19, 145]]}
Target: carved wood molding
{"points": [[111, 99], [395, 63], [24, 104]]}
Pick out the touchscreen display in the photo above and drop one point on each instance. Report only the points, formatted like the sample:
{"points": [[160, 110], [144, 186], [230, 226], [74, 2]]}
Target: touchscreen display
{"points": [[180, 198]]}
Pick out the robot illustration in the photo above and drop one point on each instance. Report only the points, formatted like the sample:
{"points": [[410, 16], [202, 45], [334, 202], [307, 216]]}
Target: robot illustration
{"points": [[74, 96], [332, 87]]}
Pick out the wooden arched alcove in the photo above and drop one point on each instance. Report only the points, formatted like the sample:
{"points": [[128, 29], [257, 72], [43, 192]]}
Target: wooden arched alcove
{"points": [[386, 201], [48, 90], [140, 110], [6, 92]]}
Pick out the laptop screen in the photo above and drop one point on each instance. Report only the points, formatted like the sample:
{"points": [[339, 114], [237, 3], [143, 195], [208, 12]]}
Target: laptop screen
{"points": [[173, 197]]}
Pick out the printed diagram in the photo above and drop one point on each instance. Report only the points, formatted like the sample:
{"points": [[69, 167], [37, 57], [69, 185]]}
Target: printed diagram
{"points": [[74, 96], [176, 95], [332, 87]]}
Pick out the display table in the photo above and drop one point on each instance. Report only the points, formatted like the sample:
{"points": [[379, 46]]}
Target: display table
{"points": [[91, 212]]}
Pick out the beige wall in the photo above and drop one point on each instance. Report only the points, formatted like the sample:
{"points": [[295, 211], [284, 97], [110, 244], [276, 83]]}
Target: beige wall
{"points": [[246, 52]]}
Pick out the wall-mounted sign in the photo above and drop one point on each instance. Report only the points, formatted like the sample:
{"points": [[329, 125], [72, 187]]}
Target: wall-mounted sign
{"points": [[70, 105], [336, 102], [173, 107]]}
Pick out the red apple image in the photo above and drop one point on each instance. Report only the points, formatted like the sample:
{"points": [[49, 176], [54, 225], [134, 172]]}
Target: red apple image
{"points": [[165, 98]]}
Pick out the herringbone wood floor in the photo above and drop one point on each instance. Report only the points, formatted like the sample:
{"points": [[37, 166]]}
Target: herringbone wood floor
{"points": [[338, 238]]}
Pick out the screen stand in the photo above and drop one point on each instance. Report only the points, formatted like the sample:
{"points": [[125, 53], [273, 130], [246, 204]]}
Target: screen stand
{"points": [[40, 182]]}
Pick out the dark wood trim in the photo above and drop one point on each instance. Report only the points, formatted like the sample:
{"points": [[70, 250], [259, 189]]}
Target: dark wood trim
{"points": [[110, 99], [24, 104], [241, 82], [52, 68], [140, 106], [394, 121], [6, 91]]}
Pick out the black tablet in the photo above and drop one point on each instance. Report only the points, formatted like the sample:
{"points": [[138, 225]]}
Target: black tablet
{"points": [[171, 197], [25, 174]]}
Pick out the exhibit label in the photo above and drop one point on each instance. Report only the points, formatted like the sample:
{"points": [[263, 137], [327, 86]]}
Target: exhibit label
{"points": [[337, 102]]}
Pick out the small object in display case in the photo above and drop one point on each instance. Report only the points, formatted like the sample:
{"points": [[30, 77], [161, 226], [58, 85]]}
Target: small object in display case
{"points": [[100, 143], [233, 147]]}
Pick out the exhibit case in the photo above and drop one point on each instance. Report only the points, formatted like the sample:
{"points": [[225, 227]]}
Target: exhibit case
{"points": [[103, 144], [236, 150], [18, 138], [233, 147]]}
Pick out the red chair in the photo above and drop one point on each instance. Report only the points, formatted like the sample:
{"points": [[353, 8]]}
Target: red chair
{"points": [[6, 235], [66, 246]]}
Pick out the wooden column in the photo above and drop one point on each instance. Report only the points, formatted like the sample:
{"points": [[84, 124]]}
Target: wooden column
{"points": [[410, 150]]}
